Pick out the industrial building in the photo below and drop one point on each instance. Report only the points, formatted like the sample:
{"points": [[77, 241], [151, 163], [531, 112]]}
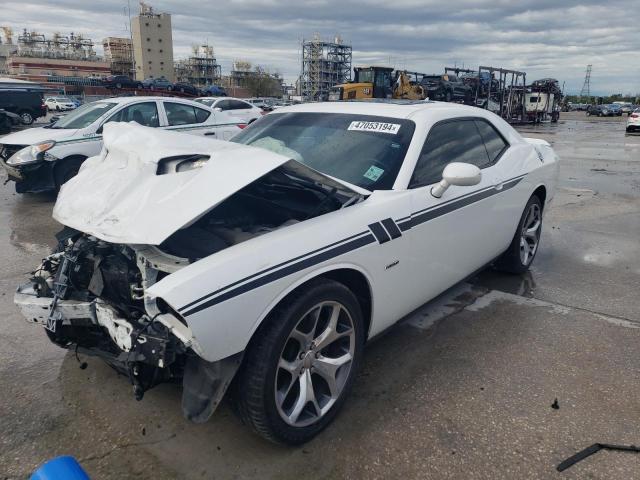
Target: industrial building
{"points": [[324, 64], [118, 53], [152, 44], [200, 69], [36, 55], [255, 81]]}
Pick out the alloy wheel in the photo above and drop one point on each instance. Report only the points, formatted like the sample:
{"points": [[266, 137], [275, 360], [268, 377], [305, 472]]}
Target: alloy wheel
{"points": [[530, 234], [314, 364]]}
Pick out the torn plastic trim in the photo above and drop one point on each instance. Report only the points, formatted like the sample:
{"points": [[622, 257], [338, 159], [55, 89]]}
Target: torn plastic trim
{"points": [[205, 383]]}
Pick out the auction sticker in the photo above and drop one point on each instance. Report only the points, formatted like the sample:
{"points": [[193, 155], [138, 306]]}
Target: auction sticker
{"points": [[361, 126]]}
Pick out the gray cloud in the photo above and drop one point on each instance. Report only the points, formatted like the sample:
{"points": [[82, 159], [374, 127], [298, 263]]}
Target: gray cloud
{"points": [[543, 37]]}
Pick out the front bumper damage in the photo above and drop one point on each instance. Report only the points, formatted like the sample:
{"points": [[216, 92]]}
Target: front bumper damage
{"points": [[142, 338], [32, 178]]}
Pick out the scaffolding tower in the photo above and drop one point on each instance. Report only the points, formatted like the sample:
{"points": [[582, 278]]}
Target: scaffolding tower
{"points": [[201, 69], [324, 64], [586, 86], [71, 47]]}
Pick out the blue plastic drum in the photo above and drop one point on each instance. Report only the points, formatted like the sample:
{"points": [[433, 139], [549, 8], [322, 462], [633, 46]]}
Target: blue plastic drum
{"points": [[60, 468]]}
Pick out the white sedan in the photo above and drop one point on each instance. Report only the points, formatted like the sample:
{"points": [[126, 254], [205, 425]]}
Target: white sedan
{"points": [[44, 158], [633, 122], [237, 108], [272, 259], [60, 104]]}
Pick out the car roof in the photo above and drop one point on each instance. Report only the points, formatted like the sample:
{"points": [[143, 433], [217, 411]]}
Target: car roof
{"points": [[384, 108], [123, 100]]}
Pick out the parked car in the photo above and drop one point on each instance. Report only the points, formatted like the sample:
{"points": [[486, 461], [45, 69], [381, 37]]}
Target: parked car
{"points": [[616, 109], [28, 104], [239, 109], [633, 122], [121, 81], [183, 87], [213, 91], [8, 120], [261, 103], [273, 260], [41, 159], [157, 84], [600, 111], [447, 88], [60, 104]]}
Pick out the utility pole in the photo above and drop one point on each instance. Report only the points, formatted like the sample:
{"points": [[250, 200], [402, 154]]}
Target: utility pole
{"points": [[586, 87]]}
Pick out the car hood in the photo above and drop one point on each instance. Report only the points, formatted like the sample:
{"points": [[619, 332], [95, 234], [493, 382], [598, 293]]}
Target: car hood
{"points": [[35, 135], [118, 196]]}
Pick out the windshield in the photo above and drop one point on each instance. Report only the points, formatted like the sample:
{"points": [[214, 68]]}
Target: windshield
{"points": [[84, 116], [364, 150], [365, 76]]}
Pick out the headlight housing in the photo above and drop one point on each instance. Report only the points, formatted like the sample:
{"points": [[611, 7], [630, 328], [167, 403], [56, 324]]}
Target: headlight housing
{"points": [[33, 154]]}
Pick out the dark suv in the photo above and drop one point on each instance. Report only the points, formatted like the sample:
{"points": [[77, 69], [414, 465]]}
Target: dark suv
{"points": [[24, 102], [121, 81], [446, 87]]}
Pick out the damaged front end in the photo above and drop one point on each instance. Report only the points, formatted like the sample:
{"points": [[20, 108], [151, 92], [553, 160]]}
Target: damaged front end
{"points": [[90, 297]]}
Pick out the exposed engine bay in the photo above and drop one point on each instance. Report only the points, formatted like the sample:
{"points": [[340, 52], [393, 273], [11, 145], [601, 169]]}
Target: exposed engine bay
{"points": [[90, 294], [276, 200]]}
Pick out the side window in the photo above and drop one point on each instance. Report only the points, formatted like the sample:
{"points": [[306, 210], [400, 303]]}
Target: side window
{"points": [[494, 142], [143, 113], [223, 105], [201, 114], [238, 105], [180, 114], [456, 141]]}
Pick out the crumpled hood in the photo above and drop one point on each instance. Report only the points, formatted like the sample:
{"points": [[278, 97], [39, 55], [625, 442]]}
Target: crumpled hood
{"points": [[118, 197], [38, 134]]}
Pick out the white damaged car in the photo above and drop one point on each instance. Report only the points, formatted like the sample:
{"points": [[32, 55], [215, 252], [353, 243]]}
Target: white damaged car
{"points": [[272, 259]]}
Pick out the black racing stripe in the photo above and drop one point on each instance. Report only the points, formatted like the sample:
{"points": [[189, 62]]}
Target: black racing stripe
{"points": [[450, 207], [379, 232], [404, 226], [208, 295], [459, 202], [283, 272], [392, 228]]}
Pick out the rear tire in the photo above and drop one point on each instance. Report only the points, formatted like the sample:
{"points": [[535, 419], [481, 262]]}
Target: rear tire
{"points": [[283, 392], [26, 117], [524, 246]]}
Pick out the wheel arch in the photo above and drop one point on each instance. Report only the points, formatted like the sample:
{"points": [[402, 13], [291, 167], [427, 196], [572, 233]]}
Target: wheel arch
{"points": [[541, 193], [350, 275], [61, 161]]}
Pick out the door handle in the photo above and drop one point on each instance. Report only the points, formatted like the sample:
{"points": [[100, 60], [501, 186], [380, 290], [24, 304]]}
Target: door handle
{"points": [[210, 133]]}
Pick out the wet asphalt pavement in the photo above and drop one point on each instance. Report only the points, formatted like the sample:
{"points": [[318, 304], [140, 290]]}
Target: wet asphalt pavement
{"points": [[462, 389]]}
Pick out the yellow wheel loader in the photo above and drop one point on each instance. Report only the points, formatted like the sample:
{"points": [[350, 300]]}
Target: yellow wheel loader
{"points": [[377, 82]]}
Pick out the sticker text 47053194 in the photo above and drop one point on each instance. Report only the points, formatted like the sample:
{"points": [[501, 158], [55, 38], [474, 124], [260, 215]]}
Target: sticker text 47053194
{"points": [[362, 126]]}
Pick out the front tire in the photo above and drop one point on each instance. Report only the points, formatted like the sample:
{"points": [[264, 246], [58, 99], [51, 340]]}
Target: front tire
{"points": [[301, 363], [524, 246]]}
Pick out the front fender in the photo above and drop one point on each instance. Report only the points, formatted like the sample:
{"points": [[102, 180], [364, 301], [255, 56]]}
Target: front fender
{"points": [[309, 276]]}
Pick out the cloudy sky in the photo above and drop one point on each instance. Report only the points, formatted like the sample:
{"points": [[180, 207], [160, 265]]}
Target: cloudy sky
{"points": [[545, 38]]}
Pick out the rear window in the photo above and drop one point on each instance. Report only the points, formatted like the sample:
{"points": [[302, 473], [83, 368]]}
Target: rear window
{"points": [[364, 150]]}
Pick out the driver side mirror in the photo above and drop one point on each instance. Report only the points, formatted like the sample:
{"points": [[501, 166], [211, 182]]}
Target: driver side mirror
{"points": [[456, 173]]}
